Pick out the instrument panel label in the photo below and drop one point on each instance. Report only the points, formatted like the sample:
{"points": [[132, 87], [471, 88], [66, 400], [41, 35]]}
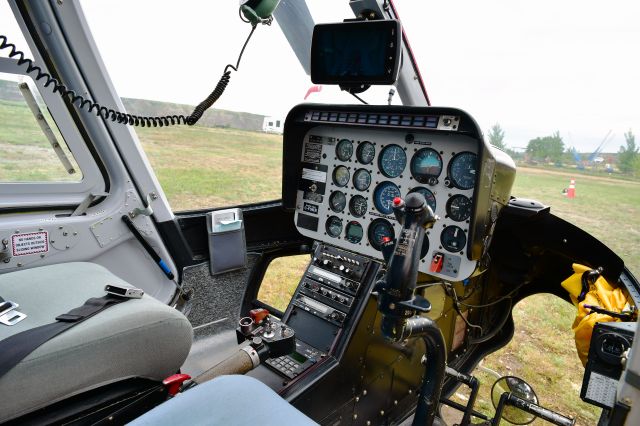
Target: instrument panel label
{"points": [[314, 175], [312, 152], [310, 208], [30, 243]]}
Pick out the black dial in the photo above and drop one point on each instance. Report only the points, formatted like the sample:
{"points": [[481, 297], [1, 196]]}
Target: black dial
{"points": [[341, 176], [453, 238], [383, 196], [379, 229], [462, 170], [333, 226], [358, 205], [459, 208], [426, 165], [366, 152], [361, 179], [392, 161], [353, 232], [428, 196], [344, 149], [337, 201]]}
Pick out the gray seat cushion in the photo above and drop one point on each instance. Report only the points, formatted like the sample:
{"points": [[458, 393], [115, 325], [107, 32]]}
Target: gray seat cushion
{"points": [[136, 338]]}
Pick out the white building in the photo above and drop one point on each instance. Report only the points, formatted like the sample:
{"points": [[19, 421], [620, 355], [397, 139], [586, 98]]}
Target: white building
{"points": [[272, 125]]}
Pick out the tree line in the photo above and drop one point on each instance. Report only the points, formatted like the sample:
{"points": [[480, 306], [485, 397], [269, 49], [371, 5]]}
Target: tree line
{"points": [[551, 149]]}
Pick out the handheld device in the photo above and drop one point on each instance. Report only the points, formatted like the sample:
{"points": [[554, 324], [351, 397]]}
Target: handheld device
{"points": [[356, 53]]}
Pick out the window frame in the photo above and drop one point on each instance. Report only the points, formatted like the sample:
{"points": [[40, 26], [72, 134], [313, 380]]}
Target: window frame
{"points": [[53, 193]]}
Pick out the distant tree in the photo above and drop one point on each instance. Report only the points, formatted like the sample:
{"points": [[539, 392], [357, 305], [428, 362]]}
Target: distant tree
{"points": [[547, 148], [627, 154], [496, 137]]}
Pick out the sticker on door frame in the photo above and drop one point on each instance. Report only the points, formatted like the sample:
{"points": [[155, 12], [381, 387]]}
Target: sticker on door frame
{"points": [[30, 243]]}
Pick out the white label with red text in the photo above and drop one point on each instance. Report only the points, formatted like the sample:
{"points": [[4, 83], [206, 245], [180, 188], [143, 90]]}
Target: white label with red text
{"points": [[30, 243]]}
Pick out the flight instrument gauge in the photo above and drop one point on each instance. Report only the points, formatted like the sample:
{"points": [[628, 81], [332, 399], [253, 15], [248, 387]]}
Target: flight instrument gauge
{"points": [[426, 166], [344, 150], [361, 179], [383, 196], [366, 152], [462, 170], [337, 201], [341, 176], [380, 229], [353, 232], [333, 226], [453, 238], [459, 208], [358, 205], [428, 196], [392, 161]]}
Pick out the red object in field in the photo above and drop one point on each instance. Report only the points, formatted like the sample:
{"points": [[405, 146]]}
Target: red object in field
{"points": [[258, 315], [571, 192], [173, 383], [312, 89], [437, 262], [397, 201]]}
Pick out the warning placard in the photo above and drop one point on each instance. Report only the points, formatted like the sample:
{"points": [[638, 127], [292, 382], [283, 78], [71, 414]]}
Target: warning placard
{"points": [[30, 243]]}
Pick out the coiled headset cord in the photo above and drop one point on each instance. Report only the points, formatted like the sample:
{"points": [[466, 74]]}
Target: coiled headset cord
{"points": [[117, 116]]}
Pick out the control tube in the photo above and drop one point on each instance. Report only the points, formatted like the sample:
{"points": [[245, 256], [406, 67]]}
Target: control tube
{"points": [[400, 306]]}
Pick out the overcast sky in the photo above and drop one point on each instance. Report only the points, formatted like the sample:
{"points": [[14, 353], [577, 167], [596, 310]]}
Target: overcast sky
{"points": [[535, 67]]}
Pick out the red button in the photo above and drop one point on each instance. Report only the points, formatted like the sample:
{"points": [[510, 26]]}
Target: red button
{"points": [[386, 239], [437, 262], [397, 201]]}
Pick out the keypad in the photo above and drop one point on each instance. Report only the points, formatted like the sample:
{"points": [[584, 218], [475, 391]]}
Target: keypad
{"points": [[286, 366]]}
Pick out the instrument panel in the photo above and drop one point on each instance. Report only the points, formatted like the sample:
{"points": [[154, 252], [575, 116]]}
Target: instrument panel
{"points": [[350, 176]]}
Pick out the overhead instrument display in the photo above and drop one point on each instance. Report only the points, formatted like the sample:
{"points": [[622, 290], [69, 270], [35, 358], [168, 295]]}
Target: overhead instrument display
{"points": [[352, 166]]}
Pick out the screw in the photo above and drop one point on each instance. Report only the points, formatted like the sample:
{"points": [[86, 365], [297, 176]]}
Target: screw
{"points": [[382, 412], [42, 256], [357, 399], [355, 416], [65, 233], [364, 392], [7, 260], [17, 231], [19, 265]]}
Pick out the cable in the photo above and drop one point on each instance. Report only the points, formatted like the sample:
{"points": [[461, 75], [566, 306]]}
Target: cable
{"points": [[506, 296], [456, 306], [357, 97], [116, 116]]}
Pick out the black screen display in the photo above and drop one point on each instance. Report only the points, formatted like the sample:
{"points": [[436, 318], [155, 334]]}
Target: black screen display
{"points": [[364, 52]]}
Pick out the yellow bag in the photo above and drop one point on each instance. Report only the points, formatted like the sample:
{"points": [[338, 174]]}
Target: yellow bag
{"points": [[600, 293]]}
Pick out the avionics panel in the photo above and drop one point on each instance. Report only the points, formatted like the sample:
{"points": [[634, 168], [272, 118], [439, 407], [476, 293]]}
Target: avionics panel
{"points": [[350, 176]]}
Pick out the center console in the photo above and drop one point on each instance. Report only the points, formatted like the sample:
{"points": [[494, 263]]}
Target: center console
{"points": [[324, 306]]}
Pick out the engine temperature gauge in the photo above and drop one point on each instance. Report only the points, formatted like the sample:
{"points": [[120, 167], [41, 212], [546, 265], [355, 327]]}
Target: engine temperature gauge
{"points": [[341, 176], [358, 205], [344, 149], [333, 226], [361, 179], [337, 201], [453, 238]]}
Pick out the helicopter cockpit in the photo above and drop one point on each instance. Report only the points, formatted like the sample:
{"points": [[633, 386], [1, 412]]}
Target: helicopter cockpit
{"points": [[115, 309]]}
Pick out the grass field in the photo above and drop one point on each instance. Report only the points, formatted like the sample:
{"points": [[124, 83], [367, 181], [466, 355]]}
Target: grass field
{"points": [[206, 167]]}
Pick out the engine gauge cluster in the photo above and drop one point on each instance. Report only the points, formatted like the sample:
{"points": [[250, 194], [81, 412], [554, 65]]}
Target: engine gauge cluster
{"points": [[362, 171]]}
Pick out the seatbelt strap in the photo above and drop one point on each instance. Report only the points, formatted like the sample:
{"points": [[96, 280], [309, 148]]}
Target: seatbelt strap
{"points": [[15, 348]]}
